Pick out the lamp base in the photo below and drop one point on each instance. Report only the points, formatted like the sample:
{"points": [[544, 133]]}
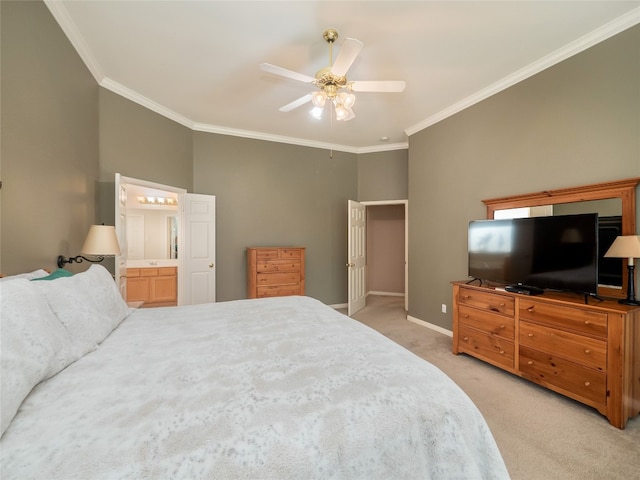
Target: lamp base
{"points": [[626, 301]]}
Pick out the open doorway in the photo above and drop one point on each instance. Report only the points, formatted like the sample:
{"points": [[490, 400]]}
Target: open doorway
{"points": [[167, 243], [384, 237]]}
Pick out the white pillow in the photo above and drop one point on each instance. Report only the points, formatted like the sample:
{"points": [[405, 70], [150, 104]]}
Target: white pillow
{"points": [[29, 275], [88, 304], [34, 345]]}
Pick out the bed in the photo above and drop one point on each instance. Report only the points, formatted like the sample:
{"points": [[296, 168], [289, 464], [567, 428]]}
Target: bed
{"points": [[276, 388]]}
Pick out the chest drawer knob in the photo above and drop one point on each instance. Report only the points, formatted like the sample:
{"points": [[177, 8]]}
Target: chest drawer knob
{"points": [[501, 352], [587, 322], [465, 315], [502, 304], [466, 339], [586, 384], [587, 351], [530, 309], [530, 334], [530, 362], [466, 297]]}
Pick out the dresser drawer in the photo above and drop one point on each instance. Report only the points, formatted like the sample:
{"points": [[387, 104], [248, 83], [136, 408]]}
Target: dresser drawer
{"points": [[267, 254], [278, 291], [492, 302], [576, 348], [278, 266], [576, 319], [549, 369], [290, 253], [277, 278], [486, 346], [486, 321], [278, 253]]}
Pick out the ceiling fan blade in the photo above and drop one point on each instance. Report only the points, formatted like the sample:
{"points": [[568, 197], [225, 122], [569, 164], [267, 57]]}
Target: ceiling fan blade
{"points": [[283, 72], [296, 103], [347, 55], [391, 86]]}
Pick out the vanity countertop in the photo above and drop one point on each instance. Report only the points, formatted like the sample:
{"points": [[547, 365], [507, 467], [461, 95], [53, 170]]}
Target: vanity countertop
{"points": [[163, 262]]}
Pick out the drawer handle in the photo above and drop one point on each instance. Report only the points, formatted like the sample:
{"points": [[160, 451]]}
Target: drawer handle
{"points": [[502, 304], [501, 326], [530, 309], [466, 316], [466, 338], [587, 351], [587, 322], [530, 334], [466, 297], [529, 362], [501, 352], [586, 384]]}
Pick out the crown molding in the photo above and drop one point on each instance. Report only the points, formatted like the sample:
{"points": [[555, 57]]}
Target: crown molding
{"points": [[606, 31], [129, 94], [203, 127], [60, 14], [384, 148]]}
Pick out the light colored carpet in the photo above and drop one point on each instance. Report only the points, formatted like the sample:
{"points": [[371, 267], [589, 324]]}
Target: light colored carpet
{"points": [[541, 434]]}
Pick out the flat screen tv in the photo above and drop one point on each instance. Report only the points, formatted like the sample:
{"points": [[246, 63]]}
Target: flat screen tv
{"points": [[555, 252]]}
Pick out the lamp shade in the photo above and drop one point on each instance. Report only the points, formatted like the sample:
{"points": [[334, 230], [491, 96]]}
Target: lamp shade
{"points": [[625, 246], [101, 241]]}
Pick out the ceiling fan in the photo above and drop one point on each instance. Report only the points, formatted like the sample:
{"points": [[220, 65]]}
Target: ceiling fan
{"points": [[332, 81]]}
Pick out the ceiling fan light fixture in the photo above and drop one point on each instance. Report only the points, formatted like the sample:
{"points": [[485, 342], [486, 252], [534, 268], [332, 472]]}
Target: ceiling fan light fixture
{"points": [[316, 112], [319, 98], [347, 99], [343, 112], [332, 83]]}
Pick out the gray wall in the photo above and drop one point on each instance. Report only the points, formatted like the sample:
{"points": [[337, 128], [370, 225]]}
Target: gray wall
{"points": [[277, 194], [383, 176], [49, 141], [139, 143], [573, 124]]}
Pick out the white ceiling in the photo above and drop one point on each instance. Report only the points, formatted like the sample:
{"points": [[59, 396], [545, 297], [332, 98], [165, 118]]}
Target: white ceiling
{"points": [[197, 62]]}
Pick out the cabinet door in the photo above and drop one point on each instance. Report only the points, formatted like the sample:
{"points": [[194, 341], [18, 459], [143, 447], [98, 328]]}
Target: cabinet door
{"points": [[137, 289], [163, 289]]}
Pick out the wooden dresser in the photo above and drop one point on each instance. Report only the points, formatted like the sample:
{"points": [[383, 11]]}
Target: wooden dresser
{"points": [[590, 353], [155, 287], [275, 271]]}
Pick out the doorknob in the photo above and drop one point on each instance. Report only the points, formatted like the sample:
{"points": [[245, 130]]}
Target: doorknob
{"points": [[211, 265], [351, 264]]}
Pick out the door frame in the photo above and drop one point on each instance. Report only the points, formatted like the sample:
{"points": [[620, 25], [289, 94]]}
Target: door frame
{"points": [[120, 180], [406, 240]]}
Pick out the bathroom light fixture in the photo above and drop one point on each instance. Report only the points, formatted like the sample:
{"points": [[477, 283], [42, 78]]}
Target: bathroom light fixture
{"points": [[101, 242], [627, 246], [157, 201]]}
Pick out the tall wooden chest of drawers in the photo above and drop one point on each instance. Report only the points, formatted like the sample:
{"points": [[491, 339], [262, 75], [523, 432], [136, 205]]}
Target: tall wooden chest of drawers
{"points": [[275, 271], [588, 352]]}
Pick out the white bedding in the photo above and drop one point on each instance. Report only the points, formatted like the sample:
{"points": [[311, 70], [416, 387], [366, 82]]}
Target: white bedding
{"points": [[282, 388]]}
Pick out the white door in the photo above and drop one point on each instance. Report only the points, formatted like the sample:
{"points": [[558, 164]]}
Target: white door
{"points": [[356, 256], [199, 248], [121, 233]]}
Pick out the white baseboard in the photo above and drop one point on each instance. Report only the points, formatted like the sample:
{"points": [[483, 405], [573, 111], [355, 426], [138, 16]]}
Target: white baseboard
{"points": [[438, 329], [388, 294], [340, 305]]}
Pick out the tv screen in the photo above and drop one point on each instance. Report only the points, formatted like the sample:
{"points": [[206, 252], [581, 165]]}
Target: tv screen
{"points": [[556, 252]]}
